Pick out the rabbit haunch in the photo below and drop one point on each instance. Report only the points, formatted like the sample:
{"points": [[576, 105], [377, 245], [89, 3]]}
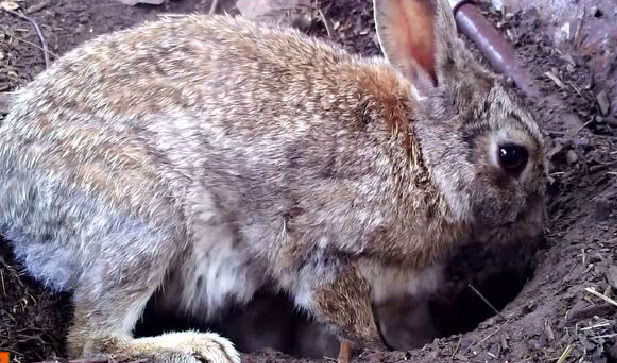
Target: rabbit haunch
{"points": [[204, 156]]}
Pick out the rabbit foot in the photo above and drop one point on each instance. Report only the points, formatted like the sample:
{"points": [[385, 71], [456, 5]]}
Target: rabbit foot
{"points": [[186, 347]]}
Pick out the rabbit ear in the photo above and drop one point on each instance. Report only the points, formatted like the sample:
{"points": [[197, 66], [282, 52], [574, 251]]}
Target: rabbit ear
{"points": [[417, 36]]}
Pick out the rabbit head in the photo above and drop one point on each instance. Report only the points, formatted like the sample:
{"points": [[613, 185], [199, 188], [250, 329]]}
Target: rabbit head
{"points": [[483, 148]]}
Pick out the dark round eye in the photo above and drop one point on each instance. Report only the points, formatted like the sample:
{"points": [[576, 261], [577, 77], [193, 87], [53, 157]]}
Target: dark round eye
{"points": [[513, 158]]}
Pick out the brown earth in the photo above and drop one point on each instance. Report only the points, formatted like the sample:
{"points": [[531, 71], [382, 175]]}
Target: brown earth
{"points": [[552, 317]]}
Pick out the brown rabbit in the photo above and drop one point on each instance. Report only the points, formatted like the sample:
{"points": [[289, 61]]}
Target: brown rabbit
{"points": [[206, 156]]}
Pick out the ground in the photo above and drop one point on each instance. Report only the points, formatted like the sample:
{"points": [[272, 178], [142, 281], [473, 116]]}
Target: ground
{"points": [[552, 319]]}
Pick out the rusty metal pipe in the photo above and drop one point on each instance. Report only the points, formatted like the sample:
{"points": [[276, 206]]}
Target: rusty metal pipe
{"points": [[493, 45]]}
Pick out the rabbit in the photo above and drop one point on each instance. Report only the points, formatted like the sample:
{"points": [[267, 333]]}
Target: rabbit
{"points": [[204, 156]]}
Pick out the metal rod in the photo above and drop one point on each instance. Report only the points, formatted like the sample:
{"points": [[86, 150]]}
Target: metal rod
{"points": [[493, 45]]}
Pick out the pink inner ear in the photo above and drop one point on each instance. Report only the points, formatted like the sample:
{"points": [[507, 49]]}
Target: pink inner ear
{"points": [[412, 27]]}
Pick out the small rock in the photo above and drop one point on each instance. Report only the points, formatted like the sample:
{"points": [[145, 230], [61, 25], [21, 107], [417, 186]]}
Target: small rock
{"points": [[611, 278], [548, 331], [581, 142], [499, 5], [535, 344], [555, 151], [573, 123], [603, 102], [613, 351], [302, 23], [602, 209], [563, 33], [588, 345], [571, 157], [503, 340], [9, 5], [568, 58], [272, 10], [598, 357]]}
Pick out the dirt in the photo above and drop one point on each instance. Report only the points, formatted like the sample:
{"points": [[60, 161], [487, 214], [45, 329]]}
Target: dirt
{"points": [[545, 313]]}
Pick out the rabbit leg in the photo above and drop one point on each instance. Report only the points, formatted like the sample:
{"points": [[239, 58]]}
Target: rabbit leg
{"points": [[347, 304], [183, 347], [104, 319]]}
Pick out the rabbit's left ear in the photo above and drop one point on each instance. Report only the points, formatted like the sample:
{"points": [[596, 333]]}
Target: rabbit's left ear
{"points": [[419, 38]]}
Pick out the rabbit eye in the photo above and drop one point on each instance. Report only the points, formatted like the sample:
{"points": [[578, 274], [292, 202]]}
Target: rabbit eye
{"points": [[513, 158]]}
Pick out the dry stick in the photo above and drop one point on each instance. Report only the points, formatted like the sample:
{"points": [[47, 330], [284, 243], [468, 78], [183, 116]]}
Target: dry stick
{"points": [[565, 354], [34, 45], [601, 296], [38, 33], [486, 337], [458, 346], [486, 301], [2, 279], [213, 6], [344, 355], [492, 334], [325, 23], [602, 166]]}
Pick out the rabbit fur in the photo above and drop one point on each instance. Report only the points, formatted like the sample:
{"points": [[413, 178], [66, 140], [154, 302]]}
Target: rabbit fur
{"points": [[204, 156]]}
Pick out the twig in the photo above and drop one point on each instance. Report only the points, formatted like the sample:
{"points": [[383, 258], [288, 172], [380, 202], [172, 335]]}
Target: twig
{"points": [[2, 279], [32, 44], [602, 166], [214, 6], [595, 326], [582, 127], [565, 354], [38, 33], [486, 302], [458, 346], [601, 296], [325, 23], [554, 78], [344, 355], [493, 333], [604, 336]]}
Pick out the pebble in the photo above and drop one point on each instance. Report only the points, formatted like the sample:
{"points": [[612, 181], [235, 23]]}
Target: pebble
{"points": [[571, 157], [602, 209], [573, 123], [613, 351], [611, 277], [603, 102], [581, 142]]}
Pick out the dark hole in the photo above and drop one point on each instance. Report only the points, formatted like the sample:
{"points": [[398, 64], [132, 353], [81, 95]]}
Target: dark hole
{"points": [[270, 320]]}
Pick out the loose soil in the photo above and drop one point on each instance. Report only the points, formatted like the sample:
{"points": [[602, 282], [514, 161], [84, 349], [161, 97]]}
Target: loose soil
{"points": [[539, 287]]}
